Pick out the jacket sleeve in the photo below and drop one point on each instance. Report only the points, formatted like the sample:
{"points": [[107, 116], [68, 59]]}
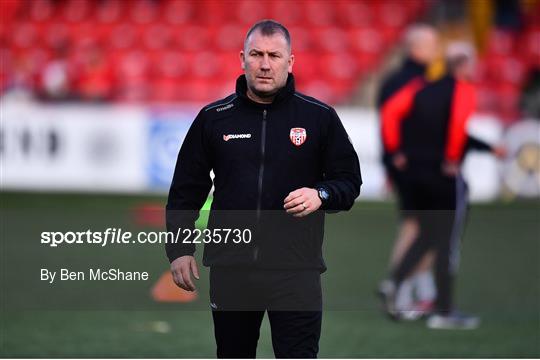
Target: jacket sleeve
{"points": [[394, 110], [474, 143], [190, 187], [341, 168], [463, 105]]}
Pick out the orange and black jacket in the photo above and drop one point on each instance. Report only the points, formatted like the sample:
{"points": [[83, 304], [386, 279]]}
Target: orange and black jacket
{"points": [[397, 91], [428, 123]]}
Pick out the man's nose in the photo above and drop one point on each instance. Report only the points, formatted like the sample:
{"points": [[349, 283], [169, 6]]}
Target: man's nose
{"points": [[265, 65]]}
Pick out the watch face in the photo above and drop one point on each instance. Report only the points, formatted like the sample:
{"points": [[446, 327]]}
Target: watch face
{"points": [[323, 194]]}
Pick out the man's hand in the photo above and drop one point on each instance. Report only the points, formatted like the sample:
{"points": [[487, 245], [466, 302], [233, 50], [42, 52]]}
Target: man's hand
{"points": [[450, 169], [400, 161], [181, 269], [500, 151], [302, 202]]}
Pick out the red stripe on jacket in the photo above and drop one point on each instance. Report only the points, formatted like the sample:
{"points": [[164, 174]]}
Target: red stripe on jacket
{"points": [[463, 105], [394, 110]]}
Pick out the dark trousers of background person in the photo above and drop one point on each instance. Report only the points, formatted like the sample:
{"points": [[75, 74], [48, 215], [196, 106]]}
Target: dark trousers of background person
{"points": [[433, 199], [395, 178], [240, 297]]}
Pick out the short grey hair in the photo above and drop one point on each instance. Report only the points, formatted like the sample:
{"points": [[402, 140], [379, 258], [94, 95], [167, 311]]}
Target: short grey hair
{"points": [[459, 53], [268, 27], [415, 34]]}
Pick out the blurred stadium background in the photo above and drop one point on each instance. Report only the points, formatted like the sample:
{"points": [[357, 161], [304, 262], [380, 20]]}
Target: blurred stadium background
{"points": [[96, 97]]}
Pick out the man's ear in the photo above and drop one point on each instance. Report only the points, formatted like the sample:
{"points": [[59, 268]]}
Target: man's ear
{"points": [[291, 62], [242, 60]]}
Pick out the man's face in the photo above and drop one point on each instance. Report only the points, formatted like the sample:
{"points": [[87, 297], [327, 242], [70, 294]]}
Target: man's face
{"points": [[431, 46], [266, 61], [425, 47]]}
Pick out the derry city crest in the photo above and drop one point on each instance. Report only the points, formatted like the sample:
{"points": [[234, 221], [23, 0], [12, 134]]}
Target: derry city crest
{"points": [[298, 136]]}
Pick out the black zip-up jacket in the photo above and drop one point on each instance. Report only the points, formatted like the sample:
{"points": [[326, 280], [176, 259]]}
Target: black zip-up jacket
{"points": [[406, 81], [250, 148], [426, 121], [435, 129], [408, 71]]}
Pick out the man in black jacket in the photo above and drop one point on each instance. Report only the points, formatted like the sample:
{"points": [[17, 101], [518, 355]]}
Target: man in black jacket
{"points": [[278, 156], [420, 47], [433, 145]]}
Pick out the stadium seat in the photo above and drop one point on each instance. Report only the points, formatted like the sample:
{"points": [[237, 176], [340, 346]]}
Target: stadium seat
{"points": [[164, 90], [41, 10], [123, 36], [229, 65], [486, 99], [302, 39], [319, 12], [56, 34], [366, 40], [500, 43], [171, 64], [306, 67], [213, 13], [206, 65], [24, 35], [248, 12], [532, 46], [76, 11], [109, 11], [332, 39], [192, 37], [513, 71], [198, 91], [132, 66], [179, 12], [230, 37], [144, 11], [392, 13], [287, 12], [339, 67], [354, 14], [508, 101], [157, 36]]}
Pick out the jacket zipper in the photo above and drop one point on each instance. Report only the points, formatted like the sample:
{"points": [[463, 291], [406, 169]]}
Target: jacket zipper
{"points": [[261, 175], [261, 167]]}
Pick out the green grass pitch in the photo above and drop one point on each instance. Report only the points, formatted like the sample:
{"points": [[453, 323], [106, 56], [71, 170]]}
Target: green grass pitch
{"points": [[499, 280]]}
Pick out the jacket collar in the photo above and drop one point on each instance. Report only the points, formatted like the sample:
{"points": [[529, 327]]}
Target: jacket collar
{"points": [[414, 66], [284, 93]]}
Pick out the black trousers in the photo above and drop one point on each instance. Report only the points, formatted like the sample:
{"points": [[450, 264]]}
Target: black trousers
{"points": [[292, 298], [434, 201], [295, 334]]}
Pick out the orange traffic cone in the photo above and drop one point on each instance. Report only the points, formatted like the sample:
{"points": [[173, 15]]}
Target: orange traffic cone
{"points": [[165, 290]]}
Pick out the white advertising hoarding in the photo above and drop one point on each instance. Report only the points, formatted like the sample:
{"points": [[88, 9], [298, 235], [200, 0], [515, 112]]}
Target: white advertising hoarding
{"points": [[72, 148]]}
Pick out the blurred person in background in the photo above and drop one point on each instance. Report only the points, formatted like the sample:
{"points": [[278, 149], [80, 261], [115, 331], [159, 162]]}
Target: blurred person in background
{"points": [[460, 65], [421, 49], [274, 162], [433, 146], [56, 77], [21, 82]]}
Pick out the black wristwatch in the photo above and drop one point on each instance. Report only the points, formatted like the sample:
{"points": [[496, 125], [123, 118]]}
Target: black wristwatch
{"points": [[324, 195]]}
